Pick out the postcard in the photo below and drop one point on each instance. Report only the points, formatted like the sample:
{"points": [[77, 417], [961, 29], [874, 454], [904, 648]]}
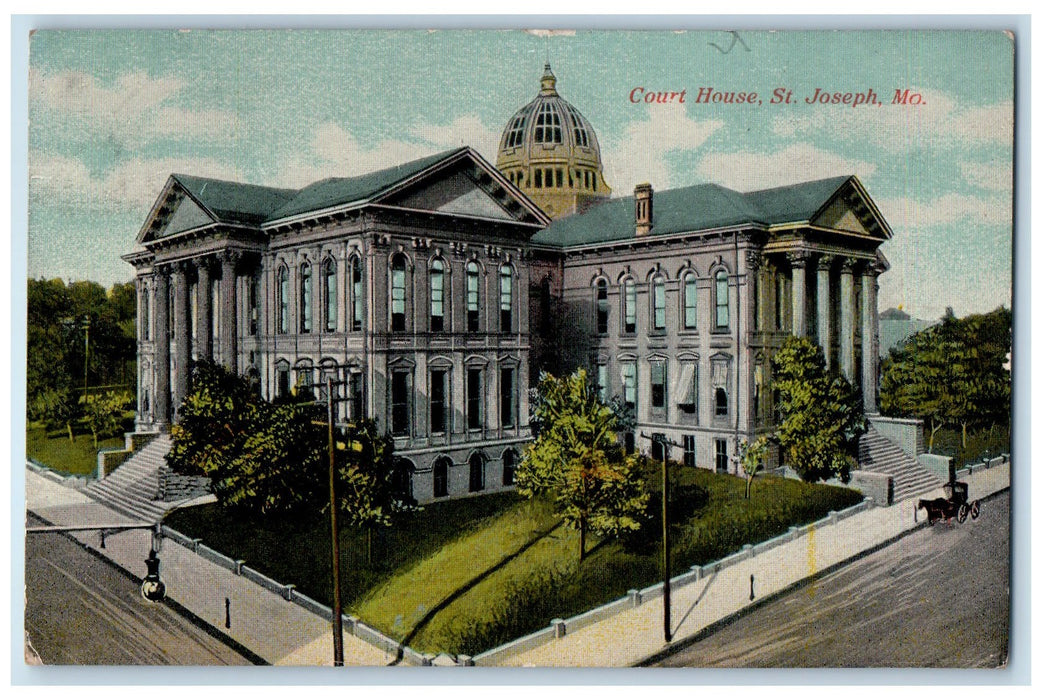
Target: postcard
{"points": [[519, 348]]}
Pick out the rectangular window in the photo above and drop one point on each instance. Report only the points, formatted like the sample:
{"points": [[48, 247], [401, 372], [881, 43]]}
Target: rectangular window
{"points": [[659, 449], [329, 294], [472, 297], [400, 403], [602, 382], [659, 292], [282, 382], [356, 295], [629, 383], [507, 398], [689, 450], [354, 395], [687, 388], [254, 303], [658, 384], [506, 299], [721, 456], [690, 302], [398, 297], [474, 401], [439, 405]]}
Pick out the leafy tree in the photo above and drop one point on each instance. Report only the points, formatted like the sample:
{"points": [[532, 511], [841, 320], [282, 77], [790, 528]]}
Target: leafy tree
{"points": [[103, 413], [368, 489], [576, 459], [821, 415], [951, 373], [751, 457]]}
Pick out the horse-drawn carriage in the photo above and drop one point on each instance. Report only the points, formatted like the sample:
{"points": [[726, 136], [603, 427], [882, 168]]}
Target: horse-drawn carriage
{"points": [[957, 504]]}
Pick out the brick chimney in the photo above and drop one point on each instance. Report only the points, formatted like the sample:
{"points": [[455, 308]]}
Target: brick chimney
{"points": [[642, 208]]}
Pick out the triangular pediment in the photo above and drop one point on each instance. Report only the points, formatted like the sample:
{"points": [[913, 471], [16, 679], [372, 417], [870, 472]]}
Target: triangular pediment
{"points": [[851, 210], [174, 212], [455, 194], [468, 185]]}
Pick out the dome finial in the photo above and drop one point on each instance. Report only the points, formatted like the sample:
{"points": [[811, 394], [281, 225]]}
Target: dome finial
{"points": [[548, 83]]}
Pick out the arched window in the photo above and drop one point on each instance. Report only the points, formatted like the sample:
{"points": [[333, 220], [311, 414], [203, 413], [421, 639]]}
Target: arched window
{"points": [[509, 461], [441, 477], [437, 276], [401, 479], [690, 301], [473, 297], [146, 331], [722, 300], [506, 298], [658, 301], [602, 306], [629, 305], [282, 302], [398, 293], [357, 297], [477, 472], [329, 292], [305, 298]]}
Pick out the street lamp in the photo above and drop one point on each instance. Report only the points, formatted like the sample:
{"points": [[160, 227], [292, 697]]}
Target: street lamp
{"points": [[152, 587]]}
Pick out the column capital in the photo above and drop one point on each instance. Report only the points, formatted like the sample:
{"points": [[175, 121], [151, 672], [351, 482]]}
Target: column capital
{"points": [[753, 260], [825, 262], [848, 265], [229, 256], [872, 269], [798, 258]]}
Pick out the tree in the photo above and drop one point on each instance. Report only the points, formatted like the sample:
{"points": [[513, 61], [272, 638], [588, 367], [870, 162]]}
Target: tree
{"points": [[821, 415], [751, 457], [368, 489], [103, 413], [951, 373], [577, 460]]}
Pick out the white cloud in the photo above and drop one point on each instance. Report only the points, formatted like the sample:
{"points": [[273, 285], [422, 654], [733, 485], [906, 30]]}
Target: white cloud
{"points": [[133, 185], [640, 154], [134, 108], [752, 170], [989, 176], [938, 120], [335, 152], [905, 213]]}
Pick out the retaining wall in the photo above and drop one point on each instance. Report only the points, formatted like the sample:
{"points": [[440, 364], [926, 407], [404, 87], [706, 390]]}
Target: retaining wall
{"points": [[906, 433], [634, 598]]}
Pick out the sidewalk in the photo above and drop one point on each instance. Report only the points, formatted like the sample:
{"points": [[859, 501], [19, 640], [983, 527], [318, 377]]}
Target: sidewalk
{"points": [[633, 636], [278, 631]]}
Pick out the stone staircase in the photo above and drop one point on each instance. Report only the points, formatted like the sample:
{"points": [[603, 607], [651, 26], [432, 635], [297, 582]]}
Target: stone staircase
{"points": [[133, 487], [880, 455]]}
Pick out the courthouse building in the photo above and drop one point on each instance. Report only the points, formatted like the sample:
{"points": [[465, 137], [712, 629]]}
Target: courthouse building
{"points": [[434, 292]]}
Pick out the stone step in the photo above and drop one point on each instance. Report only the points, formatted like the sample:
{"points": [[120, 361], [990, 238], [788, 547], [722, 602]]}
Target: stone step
{"points": [[878, 454]]}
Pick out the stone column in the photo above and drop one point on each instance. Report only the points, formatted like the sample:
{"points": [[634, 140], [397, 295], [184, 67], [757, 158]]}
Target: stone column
{"points": [[846, 318], [203, 306], [825, 308], [182, 335], [798, 261], [229, 327], [869, 337], [161, 294]]}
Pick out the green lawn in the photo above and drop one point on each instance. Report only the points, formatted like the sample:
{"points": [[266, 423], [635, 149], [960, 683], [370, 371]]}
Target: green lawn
{"points": [[54, 450], [466, 575]]}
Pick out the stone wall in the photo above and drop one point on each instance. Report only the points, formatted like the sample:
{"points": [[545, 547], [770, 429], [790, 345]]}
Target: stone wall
{"points": [[906, 433], [178, 487]]}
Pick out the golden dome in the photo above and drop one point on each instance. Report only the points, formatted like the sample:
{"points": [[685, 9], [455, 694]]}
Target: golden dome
{"points": [[550, 151]]}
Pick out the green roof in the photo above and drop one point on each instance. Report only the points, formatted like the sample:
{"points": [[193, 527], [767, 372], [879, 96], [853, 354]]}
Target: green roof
{"points": [[695, 208], [236, 202]]}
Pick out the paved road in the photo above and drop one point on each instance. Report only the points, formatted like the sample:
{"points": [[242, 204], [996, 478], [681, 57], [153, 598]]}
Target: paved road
{"points": [[82, 610], [935, 598]]}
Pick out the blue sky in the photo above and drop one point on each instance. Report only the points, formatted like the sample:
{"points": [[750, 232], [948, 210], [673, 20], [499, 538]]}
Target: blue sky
{"points": [[113, 113]]}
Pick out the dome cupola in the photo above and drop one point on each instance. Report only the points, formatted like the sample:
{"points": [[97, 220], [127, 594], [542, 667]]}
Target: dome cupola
{"points": [[550, 151]]}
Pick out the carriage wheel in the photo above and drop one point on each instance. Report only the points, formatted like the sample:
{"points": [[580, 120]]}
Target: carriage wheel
{"points": [[964, 510], [975, 509]]}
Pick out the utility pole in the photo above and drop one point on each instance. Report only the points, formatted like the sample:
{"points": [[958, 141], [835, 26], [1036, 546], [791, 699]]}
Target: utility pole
{"points": [[338, 618], [666, 603], [86, 355]]}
